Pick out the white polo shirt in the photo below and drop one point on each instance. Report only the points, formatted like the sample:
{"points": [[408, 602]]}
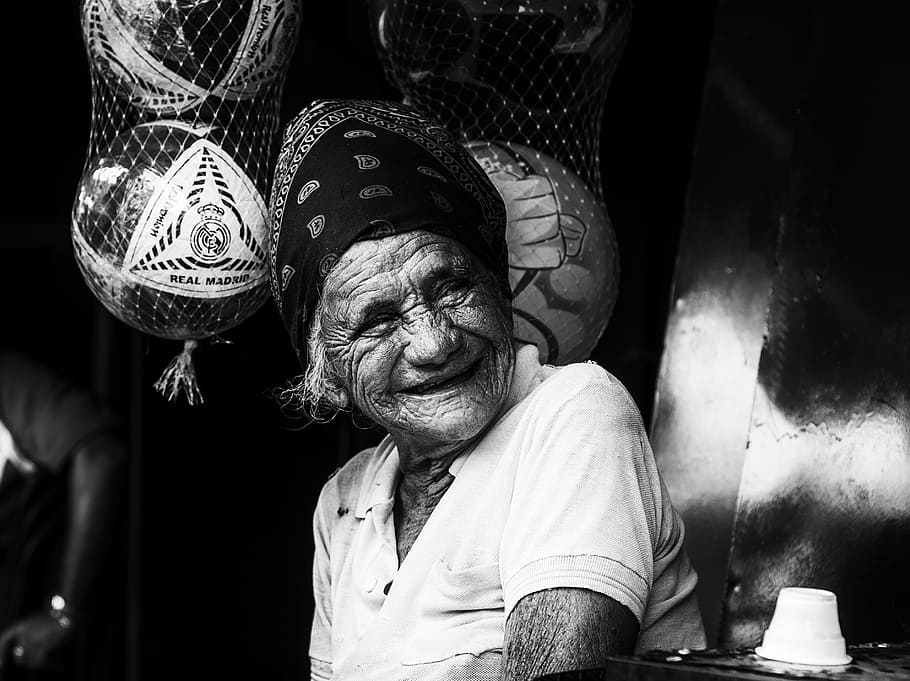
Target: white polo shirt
{"points": [[562, 492]]}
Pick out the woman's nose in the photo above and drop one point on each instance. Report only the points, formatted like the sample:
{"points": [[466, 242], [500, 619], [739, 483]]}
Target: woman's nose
{"points": [[431, 339]]}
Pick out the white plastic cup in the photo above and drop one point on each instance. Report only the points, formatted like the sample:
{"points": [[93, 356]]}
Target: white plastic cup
{"points": [[805, 629]]}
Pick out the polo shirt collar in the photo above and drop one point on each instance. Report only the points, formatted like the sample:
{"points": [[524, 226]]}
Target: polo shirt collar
{"points": [[378, 486]]}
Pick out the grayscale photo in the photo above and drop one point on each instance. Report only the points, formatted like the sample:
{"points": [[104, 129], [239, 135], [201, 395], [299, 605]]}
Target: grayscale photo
{"points": [[455, 340]]}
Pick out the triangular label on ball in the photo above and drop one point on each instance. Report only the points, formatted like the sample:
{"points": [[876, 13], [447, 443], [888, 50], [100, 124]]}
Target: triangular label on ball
{"points": [[203, 231]]}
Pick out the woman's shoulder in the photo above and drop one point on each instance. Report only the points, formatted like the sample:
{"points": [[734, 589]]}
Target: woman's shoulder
{"points": [[581, 381], [581, 412], [543, 390]]}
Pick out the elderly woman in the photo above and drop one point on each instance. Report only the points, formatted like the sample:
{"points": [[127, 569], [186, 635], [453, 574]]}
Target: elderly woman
{"points": [[512, 522]]}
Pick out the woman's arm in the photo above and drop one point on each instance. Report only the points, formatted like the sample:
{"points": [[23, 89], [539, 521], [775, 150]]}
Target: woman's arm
{"points": [[565, 629]]}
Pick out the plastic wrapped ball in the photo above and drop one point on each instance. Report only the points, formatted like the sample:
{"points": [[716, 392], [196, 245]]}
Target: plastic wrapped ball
{"points": [[500, 56], [170, 233], [563, 259], [168, 57]]}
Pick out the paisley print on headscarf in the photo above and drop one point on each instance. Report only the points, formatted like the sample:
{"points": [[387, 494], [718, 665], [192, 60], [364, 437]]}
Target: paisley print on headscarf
{"points": [[360, 169]]}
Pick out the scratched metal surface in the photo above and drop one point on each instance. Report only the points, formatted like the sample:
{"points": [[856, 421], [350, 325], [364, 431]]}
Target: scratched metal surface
{"points": [[824, 498], [789, 456], [736, 195], [871, 662]]}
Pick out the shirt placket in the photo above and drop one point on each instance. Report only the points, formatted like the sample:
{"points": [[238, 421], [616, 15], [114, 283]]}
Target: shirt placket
{"points": [[385, 563]]}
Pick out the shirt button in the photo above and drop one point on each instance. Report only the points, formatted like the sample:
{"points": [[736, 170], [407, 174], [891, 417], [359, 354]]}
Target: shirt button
{"points": [[370, 584]]}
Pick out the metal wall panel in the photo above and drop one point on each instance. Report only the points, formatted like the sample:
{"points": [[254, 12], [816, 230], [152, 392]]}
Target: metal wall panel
{"points": [[782, 420], [737, 194], [825, 492]]}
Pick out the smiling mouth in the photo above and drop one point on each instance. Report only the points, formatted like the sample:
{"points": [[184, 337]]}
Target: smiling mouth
{"points": [[452, 381]]}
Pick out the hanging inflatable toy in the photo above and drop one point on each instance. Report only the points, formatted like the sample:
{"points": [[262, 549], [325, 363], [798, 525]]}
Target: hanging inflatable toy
{"points": [[169, 222], [562, 253], [524, 83], [170, 232], [169, 57]]}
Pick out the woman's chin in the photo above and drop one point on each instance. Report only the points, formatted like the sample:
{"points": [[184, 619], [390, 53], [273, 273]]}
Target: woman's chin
{"points": [[459, 422]]}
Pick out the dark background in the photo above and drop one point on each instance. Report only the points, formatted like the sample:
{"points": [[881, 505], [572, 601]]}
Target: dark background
{"points": [[222, 494]]}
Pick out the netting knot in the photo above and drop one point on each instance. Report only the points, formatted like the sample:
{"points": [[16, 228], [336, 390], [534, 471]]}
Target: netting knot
{"points": [[180, 375]]}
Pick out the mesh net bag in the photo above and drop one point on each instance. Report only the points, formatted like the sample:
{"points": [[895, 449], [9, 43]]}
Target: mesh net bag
{"points": [[524, 84], [169, 221]]}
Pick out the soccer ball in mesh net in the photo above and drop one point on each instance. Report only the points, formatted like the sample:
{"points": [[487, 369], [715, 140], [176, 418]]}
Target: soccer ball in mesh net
{"points": [[170, 233], [536, 71], [166, 57], [563, 260]]}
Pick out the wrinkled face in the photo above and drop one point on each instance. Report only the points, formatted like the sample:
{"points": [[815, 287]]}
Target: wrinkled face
{"points": [[419, 336]]}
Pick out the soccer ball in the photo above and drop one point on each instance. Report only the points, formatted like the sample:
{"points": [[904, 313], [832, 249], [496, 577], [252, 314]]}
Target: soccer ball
{"points": [[170, 233], [166, 58], [530, 57], [563, 260]]}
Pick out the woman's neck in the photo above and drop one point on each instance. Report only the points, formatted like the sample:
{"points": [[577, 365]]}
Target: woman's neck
{"points": [[425, 478], [425, 470]]}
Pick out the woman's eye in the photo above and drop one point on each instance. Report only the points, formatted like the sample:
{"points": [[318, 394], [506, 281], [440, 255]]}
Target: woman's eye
{"points": [[376, 323], [453, 287]]}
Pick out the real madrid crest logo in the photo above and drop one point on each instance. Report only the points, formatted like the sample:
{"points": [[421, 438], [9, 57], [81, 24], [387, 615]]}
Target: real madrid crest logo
{"points": [[210, 238]]}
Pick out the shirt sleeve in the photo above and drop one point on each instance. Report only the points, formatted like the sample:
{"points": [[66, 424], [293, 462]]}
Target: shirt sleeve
{"points": [[588, 507], [47, 416], [321, 632]]}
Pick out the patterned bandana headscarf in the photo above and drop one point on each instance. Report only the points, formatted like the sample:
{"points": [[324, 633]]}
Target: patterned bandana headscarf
{"points": [[351, 170]]}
